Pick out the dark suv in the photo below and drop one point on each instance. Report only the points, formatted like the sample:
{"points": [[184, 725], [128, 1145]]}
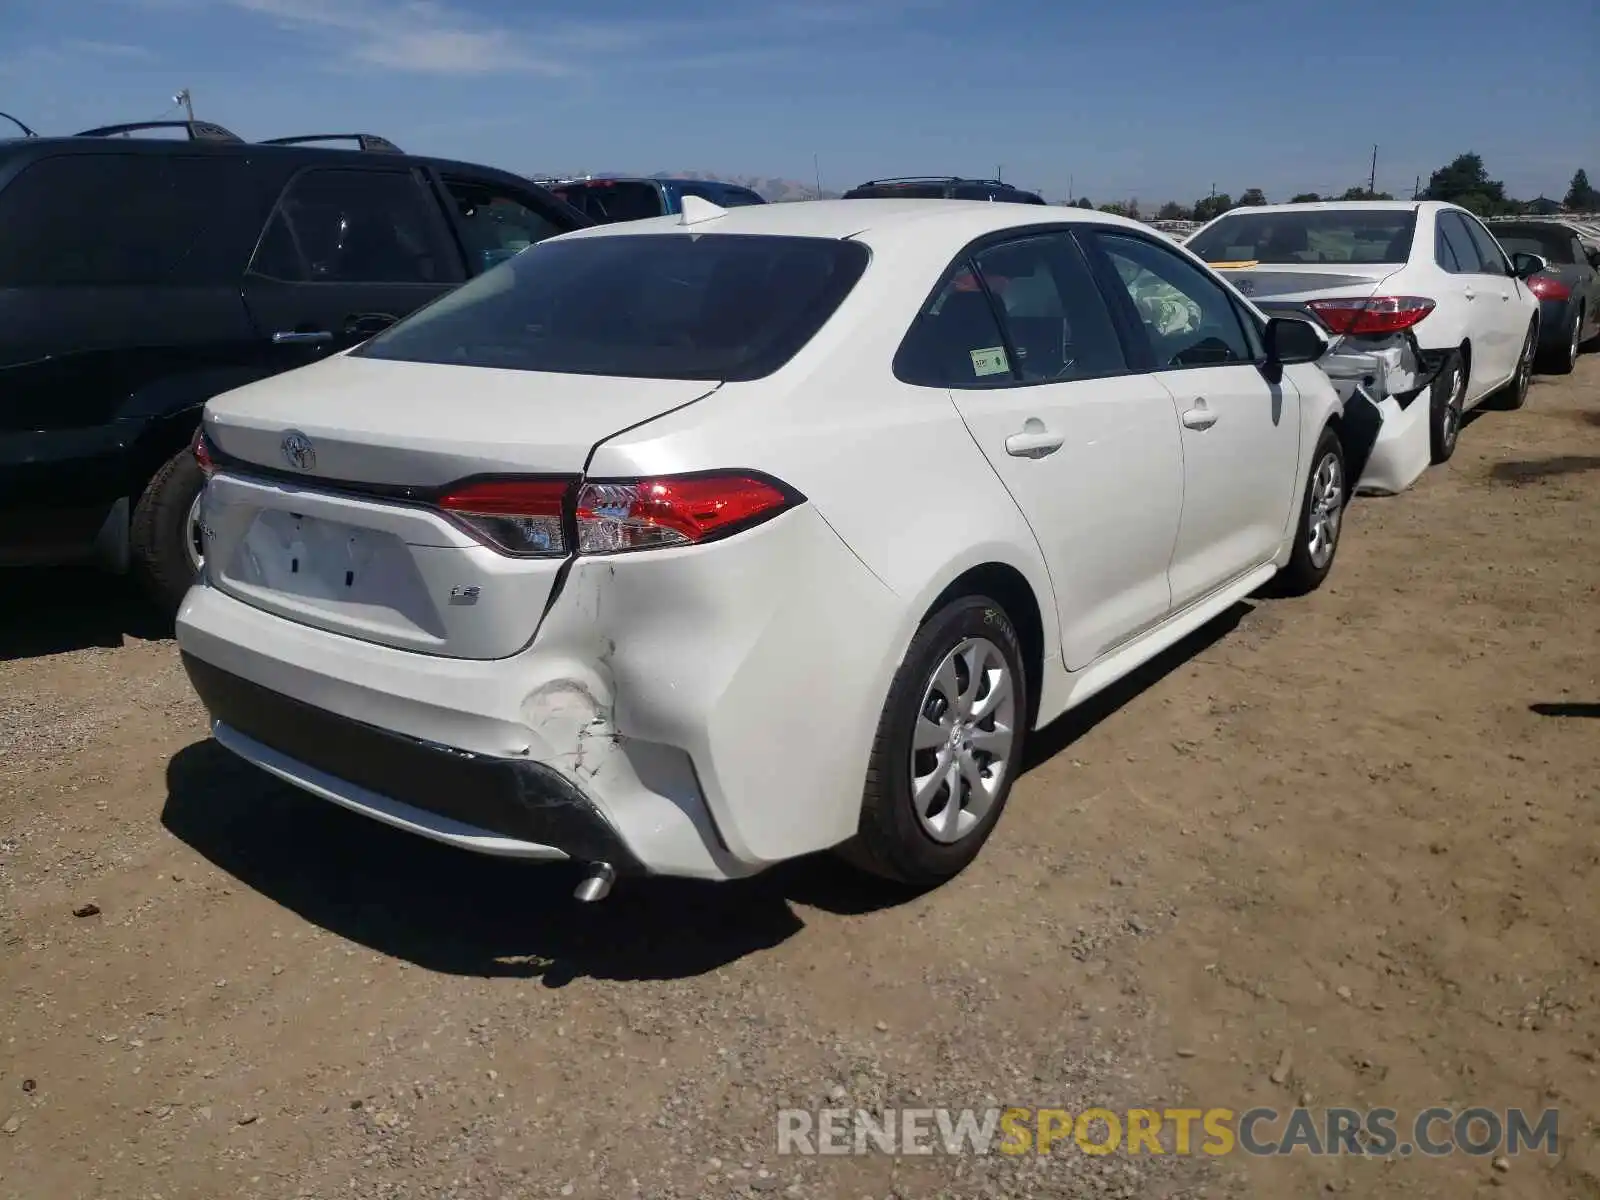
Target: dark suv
{"points": [[142, 275], [942, 187]]}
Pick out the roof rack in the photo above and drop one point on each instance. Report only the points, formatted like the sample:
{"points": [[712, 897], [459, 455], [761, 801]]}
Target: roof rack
{"points": [[26, 132], [937, 179], [363, 141], [199, 131]]}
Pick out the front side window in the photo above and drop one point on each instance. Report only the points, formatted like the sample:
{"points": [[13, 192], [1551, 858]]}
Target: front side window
{"points": [[1187, 316], [1354, 236], [493, 225], [659, 306], [353, 226]]}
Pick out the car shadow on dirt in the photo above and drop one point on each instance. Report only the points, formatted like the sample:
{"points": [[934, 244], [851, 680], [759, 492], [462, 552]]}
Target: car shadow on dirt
{"points": [[58, 610], [459, 913], [463, 914]]}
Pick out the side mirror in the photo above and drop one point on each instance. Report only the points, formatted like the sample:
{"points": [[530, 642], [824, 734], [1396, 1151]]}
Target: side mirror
{"points": [[1291, 340], [1594, 259], [1525, 265]]}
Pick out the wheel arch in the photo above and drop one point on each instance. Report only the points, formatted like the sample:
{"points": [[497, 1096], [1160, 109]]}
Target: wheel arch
{"points": [[1008, 586]]}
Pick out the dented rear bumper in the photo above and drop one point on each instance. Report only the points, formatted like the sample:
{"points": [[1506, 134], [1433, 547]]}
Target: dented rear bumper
{"points": [[507, 806]]}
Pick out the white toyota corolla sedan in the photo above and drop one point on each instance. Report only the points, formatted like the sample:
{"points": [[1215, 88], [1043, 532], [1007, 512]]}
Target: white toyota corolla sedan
{"points": [[689, 545]]}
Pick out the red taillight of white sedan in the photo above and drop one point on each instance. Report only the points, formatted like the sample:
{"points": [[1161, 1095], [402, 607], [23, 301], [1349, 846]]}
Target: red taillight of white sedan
{"points": [[1372, 317], [545, 517]]}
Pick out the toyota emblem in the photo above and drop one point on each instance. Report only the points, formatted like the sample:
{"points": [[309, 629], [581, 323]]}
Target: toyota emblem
{"points": [[298, 451]]}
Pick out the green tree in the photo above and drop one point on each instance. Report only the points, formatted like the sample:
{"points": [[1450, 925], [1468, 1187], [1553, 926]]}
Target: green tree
{"points": [[1173, 211], [1464, 181], [1361, 193], [1083, 202], [1116, 208], [1212, 206], [1580, 196], [1306, 198], [1252, 198]]}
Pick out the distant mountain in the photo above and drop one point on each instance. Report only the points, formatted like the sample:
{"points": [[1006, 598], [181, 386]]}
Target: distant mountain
{"points": [[775, 191]]}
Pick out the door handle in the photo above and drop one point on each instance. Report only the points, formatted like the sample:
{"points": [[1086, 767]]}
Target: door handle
{"points": [[1199, 417], [301, 337], [368, 323], [1035, 441]]}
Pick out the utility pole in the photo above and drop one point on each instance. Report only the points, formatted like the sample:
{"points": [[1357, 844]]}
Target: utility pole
{"points": [[816, 167], [1416, 189], [183, 99], [1372, 180], [1072, 189], [1000, 171]]}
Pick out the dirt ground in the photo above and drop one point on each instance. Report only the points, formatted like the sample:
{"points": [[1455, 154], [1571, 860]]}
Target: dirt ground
{"points": [[1339, 850]]}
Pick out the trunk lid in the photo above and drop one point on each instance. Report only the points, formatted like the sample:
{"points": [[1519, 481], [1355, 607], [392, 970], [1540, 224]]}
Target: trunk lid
{"points": [[1296, 283], [341, 535]]}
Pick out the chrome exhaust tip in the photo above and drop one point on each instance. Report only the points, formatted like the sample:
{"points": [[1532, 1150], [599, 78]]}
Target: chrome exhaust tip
{"points": [[597, 886]]}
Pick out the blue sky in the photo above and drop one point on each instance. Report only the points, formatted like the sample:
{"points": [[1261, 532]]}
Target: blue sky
{"points": [[1151, 99]]}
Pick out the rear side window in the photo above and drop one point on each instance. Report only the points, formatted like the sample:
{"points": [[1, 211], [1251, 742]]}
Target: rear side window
{"points": [[608, 202], [120, 219], [1489, 252], [347, 226], [665, 306], [1355, 236], [1459, 255], [1054, 326], [1556, 245], [495, 225], [897, 191]]}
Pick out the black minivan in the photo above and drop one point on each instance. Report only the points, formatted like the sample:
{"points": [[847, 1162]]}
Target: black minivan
{"points": [[142, 273]]}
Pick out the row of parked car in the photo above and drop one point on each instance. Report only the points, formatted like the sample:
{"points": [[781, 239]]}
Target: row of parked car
{"points": [[691, 544]]}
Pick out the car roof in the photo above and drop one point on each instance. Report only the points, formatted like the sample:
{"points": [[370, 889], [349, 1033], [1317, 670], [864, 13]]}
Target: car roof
{"points": [[963, 219], [17, 148]]}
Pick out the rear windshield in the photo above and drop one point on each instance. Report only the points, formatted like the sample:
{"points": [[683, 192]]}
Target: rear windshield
{"points": [[659, 306], [881, 191], [1554, 244], [608, 202], [1353, 236]]}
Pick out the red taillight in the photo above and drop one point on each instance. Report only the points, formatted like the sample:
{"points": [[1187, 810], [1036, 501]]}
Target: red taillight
{"points": [[530, 517], [202, 455], [1375, 316], [1548, 287], [615, 516], [525, 517]]}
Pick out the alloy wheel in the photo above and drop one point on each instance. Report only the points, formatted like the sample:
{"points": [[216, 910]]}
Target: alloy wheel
{"points": [[1452, 409], [1326, 511], [961, 744]]}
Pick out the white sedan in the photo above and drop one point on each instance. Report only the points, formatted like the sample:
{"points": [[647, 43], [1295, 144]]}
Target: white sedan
{"points": [[1425, 307], [689, 545]]}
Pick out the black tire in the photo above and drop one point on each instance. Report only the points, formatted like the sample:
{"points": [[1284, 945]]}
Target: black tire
{"points": [[1316, 538], [1560, 360], [161, 560], [892, 840], [1446, 402]]}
